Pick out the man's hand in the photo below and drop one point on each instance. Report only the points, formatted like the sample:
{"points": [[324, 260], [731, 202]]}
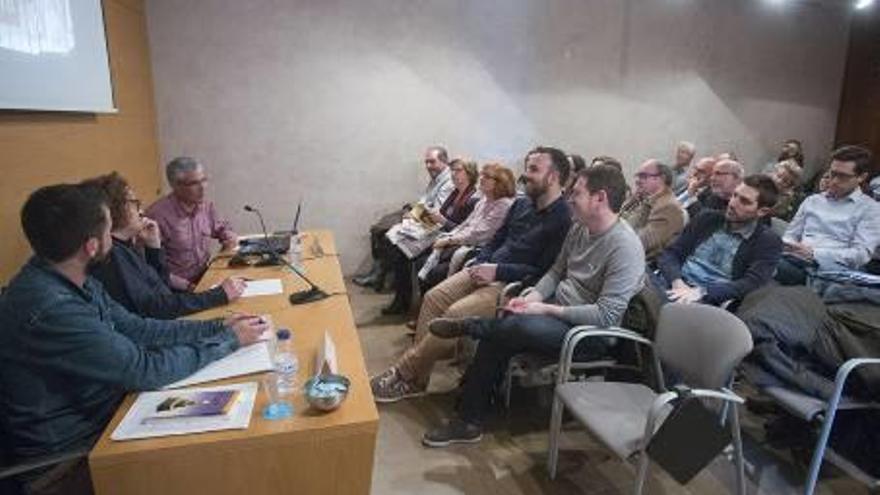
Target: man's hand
{"points": [[229, 245], [483, 274], [799, 249], [526, 307], [149, 233], [685, 294], [249, 328], [442, 243], [233, 287]]}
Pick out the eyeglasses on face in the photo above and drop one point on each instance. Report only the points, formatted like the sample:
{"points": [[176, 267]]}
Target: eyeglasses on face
{"points": [[645, 175], [834, 174]]}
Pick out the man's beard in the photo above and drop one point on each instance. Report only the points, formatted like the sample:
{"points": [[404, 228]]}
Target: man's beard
{"points": [[535, 189]]}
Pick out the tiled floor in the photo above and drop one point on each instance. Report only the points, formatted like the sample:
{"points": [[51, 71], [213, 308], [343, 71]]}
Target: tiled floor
{"points": [[511, 458]]}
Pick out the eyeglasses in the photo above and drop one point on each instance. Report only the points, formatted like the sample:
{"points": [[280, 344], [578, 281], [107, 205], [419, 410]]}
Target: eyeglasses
{"points": [[193, 183], [833, 174], [720, 172], [136, 202], [487, 177], [645, 175]]}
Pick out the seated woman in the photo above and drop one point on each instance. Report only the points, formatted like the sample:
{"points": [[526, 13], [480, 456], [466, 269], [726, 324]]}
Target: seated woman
{"points": [[405, 249], [787, 175], [498, 187], [134, 273]]}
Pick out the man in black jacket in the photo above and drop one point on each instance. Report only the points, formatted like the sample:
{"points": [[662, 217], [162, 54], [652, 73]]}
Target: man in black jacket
{"points": [[723, 256]]}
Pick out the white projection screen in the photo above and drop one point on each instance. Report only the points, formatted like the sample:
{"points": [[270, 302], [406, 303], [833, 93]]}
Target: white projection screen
{"points": [[53, 56]]}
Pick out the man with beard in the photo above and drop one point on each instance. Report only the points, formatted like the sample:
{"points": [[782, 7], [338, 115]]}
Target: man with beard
{"points": [[723, 256], [69, 353], [524, 247]]}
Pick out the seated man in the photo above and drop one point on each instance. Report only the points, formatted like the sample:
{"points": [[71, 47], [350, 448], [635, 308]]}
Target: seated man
{"points": [[726, 176], [439, 188], [653, 211], [697, 181], [684, 155], [524, 246], [134, 274], [68, 352], [187, 222], [600, 267], [838, 229], [723, 256]]}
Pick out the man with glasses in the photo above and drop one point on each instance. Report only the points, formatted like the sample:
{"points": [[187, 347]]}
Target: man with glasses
{"points": [[726, 175], [652, 211], [188, 222], [837, 229]]}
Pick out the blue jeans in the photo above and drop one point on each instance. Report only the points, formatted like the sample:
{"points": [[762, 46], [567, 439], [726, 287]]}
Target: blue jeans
{"points": [[500, 340]]}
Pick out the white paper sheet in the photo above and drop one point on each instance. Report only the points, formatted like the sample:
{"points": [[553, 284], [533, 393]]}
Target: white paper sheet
{"points": [[251, 359], [265, 287], [132, 425]]}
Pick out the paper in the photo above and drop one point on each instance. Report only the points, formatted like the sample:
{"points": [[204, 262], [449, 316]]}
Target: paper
{"points": [[133, 426], [251, 359], [264, 287]]}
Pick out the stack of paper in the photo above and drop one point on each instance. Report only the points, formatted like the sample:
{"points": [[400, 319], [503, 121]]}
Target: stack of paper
{"points": [[251, 359]]}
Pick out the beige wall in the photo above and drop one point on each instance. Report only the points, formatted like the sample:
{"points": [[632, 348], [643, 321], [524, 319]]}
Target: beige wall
{"points": [[334, 100], [40, 148]]}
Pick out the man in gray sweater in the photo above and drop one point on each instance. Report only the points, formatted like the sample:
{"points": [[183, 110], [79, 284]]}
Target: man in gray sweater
{"points": [[600, 267]]}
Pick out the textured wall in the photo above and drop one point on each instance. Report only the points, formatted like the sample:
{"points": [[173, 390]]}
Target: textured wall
{"points": [[40, 148], [334, 100]]}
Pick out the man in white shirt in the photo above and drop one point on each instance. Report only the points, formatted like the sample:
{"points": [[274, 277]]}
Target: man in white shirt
{"points": [[838, 229]]}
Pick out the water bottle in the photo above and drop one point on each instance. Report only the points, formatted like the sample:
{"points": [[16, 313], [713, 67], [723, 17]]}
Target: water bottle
{"points": [[296, 249], [286, 362]]}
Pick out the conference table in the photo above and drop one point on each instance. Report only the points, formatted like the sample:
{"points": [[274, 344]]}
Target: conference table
{"points": [[311, 453]]}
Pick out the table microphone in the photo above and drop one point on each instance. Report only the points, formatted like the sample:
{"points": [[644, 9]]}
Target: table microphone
{"points": [[266, 258], [271, 258]]}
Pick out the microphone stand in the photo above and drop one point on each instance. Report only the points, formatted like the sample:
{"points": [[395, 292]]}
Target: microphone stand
{"points": [[271, 258]]}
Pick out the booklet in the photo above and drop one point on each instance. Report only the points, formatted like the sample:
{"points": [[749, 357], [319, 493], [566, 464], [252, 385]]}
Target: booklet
{"points": [[188, 404]]}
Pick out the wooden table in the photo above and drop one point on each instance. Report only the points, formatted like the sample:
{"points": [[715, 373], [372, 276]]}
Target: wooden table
{"points": [[311, 453]]}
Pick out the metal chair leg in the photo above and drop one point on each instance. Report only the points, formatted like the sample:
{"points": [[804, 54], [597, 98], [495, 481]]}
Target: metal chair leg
{"points": [[555, 431], [737, 449], [641, 478]]}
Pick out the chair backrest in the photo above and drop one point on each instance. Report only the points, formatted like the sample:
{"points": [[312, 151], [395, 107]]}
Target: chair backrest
{"points": [[701, 344]]}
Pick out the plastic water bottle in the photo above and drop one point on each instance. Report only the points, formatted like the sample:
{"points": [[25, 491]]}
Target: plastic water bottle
{"points": [[286, 362]]}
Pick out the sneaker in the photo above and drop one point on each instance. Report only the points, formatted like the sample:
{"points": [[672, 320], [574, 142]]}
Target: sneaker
{"points": [[450, 328], [395, 389], [454, 431], [383, 379]]}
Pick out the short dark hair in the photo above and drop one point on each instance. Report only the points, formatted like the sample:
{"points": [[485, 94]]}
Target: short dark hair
{"points": [[115, 189], [577, 163], [665, 172], [57, 220], [442, 155], [851, 153], [558, 159], [768, 193], [606, 178], [607, 160]]}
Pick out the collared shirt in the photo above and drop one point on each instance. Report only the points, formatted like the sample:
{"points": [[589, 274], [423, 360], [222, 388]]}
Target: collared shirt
{"points": [[712, 261], [438, 189], [843, 232], [186, 235], [679, 180], [68, 355]]}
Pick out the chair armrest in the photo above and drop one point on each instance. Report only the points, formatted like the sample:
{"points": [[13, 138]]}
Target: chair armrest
{"points": [[842, 374], [574, 336], [42, 462]]}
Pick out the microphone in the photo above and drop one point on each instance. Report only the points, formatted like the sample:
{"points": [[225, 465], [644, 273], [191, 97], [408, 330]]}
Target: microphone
{"points": [[267, 246], [271, 258]]}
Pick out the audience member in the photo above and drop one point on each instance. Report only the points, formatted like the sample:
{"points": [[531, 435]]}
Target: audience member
{"points": [[439, 188], [598, 270], [187, 222], [134, 273], [698, 181], [606, 160], [684, 155], [653, 211], [410, 238], [576, 164], [722, 256], [787, 176], [726, 176], [498, 187], [838, 229], [791, 149], [68, 352], [522, 249]]}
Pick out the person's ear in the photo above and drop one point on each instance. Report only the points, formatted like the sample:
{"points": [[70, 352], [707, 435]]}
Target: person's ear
{"points": [[863, 177], [92, 246]]}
